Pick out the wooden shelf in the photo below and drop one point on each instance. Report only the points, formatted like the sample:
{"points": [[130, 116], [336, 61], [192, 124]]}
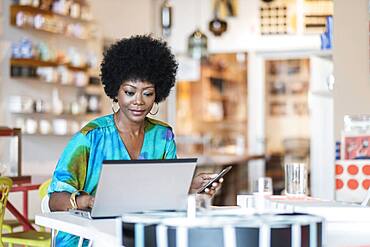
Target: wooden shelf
{"points": [[15, 9], [32, 62], [47, 135], [39, 63], [53, 115], [36, 11], [317, 15], [39, 80], [226, 121], [29, 28], [288, 96], [5, 131]]}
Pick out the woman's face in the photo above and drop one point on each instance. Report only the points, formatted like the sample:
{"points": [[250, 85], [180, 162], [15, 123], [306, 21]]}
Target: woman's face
{"points": [[136, 99]]}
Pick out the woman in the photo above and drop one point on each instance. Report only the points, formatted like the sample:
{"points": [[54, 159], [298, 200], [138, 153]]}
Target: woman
{"points": [[137, 74]]}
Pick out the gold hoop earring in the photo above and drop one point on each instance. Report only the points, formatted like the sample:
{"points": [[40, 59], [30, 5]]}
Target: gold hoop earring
{"points": [[155, 113], [115, 106]]}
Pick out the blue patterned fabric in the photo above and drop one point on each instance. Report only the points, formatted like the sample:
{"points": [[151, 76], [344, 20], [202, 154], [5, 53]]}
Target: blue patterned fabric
{"points": [[80, 164]]}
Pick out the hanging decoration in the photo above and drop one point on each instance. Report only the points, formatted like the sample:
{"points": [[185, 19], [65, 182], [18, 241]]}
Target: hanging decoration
{"points": [[226, 8], [198, 44], [217, 25], [198, 41], [166, 18]]}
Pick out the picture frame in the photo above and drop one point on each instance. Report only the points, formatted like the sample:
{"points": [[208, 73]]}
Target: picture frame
{"points": [[355, 146]]}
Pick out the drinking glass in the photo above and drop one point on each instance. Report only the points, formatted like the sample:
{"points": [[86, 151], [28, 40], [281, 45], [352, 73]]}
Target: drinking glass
{"points": [[262, 190], [295, 179], [263, 186]]}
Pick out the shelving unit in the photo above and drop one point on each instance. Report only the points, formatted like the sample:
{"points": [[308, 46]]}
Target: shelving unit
{"points": [[218, 103], [287, 83], [287, 115], [315, 14], [68, 79], [294, 17]]}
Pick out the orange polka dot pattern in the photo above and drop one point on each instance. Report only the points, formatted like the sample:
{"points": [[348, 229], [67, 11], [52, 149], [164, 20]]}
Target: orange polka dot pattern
{"points": [[355, 173], [338, 169], [366, 170], [339, 184], [352, 184]]}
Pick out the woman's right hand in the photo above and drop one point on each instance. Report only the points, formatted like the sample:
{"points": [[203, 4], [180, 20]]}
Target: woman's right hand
{"points": [[85, 201]]}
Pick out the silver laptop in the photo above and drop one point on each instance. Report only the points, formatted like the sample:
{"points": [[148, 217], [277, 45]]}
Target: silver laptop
{"points": [[141, 185]]}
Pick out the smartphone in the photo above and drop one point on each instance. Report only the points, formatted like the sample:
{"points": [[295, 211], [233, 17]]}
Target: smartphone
{"points": [[218, 177]]}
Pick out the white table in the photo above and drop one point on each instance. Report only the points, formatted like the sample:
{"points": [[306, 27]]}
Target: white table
{"points": [[102, 232], [346, 224]]}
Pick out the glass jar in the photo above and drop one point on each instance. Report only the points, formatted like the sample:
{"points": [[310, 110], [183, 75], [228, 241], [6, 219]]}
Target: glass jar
{"points": [[357, 123]]}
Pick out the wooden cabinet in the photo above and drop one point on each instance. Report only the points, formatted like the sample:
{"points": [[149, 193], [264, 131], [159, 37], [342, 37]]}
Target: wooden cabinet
{"points": [[287, 116], [213, 110]]}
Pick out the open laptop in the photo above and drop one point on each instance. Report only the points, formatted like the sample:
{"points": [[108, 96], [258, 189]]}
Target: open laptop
{"points": [[141, 185]]}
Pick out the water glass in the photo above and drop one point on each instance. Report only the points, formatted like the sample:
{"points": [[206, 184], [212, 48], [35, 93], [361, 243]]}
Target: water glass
{"points": [[263, 186], [295, 179]]}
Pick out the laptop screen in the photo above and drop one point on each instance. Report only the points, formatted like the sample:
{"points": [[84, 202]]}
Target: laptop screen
{"points": [[142, 185]]}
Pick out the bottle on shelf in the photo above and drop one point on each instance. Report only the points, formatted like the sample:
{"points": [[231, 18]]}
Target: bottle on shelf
{"points": [[56, 102]]}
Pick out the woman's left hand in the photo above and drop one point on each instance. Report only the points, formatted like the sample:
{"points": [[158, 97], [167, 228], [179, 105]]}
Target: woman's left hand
{"points": [[203, 178]]}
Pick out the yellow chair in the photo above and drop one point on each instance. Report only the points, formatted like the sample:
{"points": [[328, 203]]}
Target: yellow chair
{"points": [[10, 225], [5, 186], [28, 238], [43, 189]]}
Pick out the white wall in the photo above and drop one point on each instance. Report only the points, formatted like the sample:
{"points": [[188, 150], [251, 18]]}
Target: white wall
{"points": [[351, 60], [118, 19], [242, 33], [2, 54], [190, 14]]}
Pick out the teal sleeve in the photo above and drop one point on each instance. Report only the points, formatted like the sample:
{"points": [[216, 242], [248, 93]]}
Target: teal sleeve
{"points": [[171, 152], [70, 172]]}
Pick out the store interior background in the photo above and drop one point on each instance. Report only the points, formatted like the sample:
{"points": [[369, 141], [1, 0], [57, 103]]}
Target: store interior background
{"points": [[349, 61]]}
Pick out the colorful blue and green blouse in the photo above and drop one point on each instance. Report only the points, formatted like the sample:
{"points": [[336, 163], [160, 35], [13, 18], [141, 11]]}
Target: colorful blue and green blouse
{"points": [[81, 161]]}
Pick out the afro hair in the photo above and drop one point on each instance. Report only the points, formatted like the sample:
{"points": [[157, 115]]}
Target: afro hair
{"points": [[139, 58]]}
